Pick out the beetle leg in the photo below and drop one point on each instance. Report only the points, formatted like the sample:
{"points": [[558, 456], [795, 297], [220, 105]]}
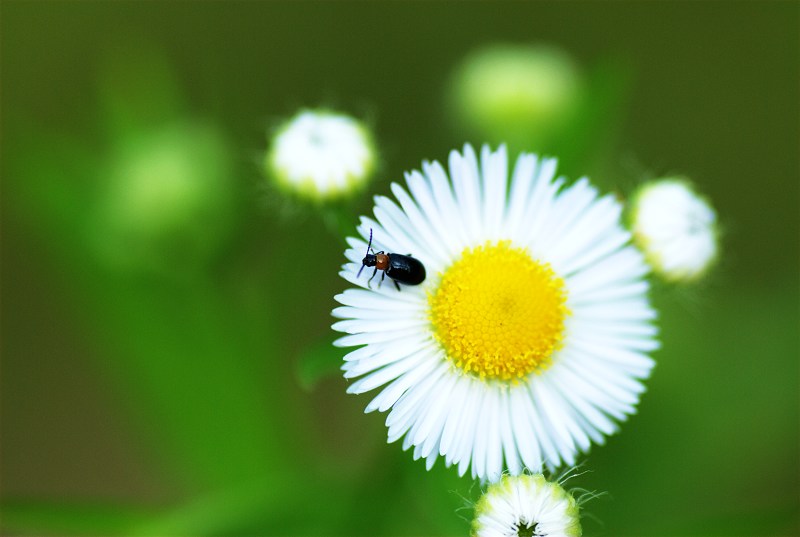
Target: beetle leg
{"points": [[383, 277], [374, 272], [396, 284]]}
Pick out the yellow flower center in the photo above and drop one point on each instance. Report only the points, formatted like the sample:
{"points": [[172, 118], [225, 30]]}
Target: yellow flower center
{"points": [[498, 313]]}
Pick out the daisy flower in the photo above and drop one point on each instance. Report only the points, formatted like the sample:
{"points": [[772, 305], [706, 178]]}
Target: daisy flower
{"points": [[675, 228], [526, 506], [528, 339], [320, 155]]}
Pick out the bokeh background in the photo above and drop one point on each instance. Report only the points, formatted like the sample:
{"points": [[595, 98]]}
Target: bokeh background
{"points": [[166, 357]]}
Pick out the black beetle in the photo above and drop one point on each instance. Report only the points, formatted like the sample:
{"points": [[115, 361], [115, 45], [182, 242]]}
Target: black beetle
{"points": [[400, 268]]}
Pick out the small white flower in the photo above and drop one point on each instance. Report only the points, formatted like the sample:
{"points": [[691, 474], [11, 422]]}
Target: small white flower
{"points": [[525, 506], [321, 154], [528, 339], [675, 228]]}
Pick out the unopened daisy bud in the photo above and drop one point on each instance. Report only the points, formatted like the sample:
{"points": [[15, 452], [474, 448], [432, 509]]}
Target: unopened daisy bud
{"points": [[676, 228], [525, 506], [321, 155], [517, 94], [169, 199]]}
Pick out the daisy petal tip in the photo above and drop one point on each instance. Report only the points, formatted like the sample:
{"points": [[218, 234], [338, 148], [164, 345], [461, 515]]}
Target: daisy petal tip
{"points": [[429, 462]]}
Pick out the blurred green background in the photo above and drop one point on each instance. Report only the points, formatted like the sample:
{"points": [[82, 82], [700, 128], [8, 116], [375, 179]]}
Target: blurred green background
{"points": [[166, 358]]}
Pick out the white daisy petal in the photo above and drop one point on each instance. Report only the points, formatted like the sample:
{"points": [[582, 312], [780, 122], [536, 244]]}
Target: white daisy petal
{"points": [[430, 460], [382, 376], [526, 441], [623, 310], [494, 447], [458, 402], [540, 205], [388, 312], [377, 325], [389, 215], [553, 418], [510, 452], [622, 265], [392, 393], [495, 178], [484, 439], [530, 336], [408, 403], [604, 294], [522, 179], [384, 240], [375, 337], [446, 216], [384, 357], [434, 413], [570, 205], [594, 391], [617, 386], [591, 237], [409, 407], [429, 448], [428, 227], [566, 384], [550, 455], [464, 172], [469, 433]]}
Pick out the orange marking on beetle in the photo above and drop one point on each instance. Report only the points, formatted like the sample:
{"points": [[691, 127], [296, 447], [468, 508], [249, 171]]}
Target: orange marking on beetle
{"points": [[382, 261]]}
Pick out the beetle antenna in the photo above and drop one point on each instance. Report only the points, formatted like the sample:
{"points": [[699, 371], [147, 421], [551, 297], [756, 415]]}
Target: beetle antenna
{"points": [[368, 247]]}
